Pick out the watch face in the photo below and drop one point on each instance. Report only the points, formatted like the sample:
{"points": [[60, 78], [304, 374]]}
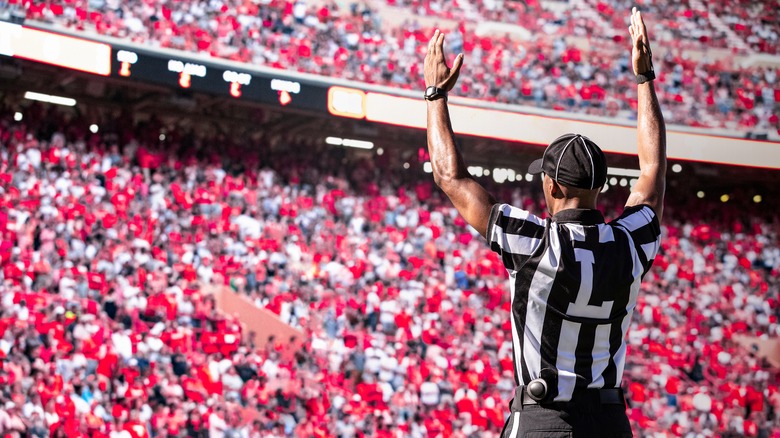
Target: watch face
{"points": [[432, 92]]}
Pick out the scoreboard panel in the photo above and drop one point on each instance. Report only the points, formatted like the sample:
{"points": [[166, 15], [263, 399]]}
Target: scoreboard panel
{"points": [[161, 67], [199, 76]]}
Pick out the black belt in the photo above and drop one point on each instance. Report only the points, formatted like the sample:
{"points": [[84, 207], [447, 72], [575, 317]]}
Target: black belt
{"points": [[604, 396]]}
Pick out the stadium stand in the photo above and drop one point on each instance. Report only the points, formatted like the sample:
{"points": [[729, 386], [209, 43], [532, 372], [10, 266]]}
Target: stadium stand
{"points": [[106, 328], [568, 61], [675, 22]]}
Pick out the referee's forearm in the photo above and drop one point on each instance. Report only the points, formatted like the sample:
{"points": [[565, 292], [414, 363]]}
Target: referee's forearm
{"points": [[651, 129], [446, 162]]}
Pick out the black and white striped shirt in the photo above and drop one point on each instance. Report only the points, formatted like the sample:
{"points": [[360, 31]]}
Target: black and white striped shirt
{"points": [[574, 282]]}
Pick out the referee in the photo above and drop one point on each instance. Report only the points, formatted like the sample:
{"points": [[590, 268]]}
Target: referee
{"points": [[574, 279]]}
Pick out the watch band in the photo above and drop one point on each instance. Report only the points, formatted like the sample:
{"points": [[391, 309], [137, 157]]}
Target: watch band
{"points": [[647, 76], [433, 93]]}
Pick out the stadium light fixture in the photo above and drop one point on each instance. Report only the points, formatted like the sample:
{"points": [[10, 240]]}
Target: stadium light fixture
{"points": [[334, 141], [93, 128], [427, 167], [475, 171], [57, 100], [406, 165], [724, 198], [757, 199], [529, 177], [700, 194], [501, 174], [359, 144], [18, 116], [619, 171], [349, 142], [623, 182], [380, 151], [676, 168]]}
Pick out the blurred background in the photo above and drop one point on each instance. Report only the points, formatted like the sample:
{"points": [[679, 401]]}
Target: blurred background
{"points": [[217, 217]]}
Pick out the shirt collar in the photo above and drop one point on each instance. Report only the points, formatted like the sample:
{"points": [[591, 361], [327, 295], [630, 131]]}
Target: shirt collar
{"points": [[584, 216]]}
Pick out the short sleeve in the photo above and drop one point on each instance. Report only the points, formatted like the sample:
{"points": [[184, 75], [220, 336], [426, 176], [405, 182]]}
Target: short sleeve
{"points": [[642, 225], [514, 234]]}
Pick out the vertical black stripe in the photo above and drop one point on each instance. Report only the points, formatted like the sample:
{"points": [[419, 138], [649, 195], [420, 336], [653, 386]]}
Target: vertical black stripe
{"points": [[621, 272], [551, 335], [615, 340], [519, 306], [583, 367], [562, 291], [523, 279]]}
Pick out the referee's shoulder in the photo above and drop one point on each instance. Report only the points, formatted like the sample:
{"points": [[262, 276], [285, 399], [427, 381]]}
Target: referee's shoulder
{"points": [[641, 211]]}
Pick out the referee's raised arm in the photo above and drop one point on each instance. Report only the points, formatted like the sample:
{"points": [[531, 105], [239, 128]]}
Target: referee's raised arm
{"points": [[651, 130], [449, 171]]}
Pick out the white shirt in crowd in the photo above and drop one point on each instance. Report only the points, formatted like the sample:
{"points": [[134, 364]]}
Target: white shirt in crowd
{"points": [[429, 393]]}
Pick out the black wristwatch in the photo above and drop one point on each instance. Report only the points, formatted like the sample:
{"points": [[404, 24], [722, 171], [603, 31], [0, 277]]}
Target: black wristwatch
{"points": [[433, 93], [647, 76]]}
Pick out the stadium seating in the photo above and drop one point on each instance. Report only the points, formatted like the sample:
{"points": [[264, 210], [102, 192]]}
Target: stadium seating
{"points": [[691, 24], [548, 70], [105, 330]]}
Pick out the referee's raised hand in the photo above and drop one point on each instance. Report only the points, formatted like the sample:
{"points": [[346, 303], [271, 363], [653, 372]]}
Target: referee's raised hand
{"points": [[641, 55], [435, 68]]}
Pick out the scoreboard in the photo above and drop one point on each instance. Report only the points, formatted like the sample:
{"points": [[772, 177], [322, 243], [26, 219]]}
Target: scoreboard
{"points": [[195, 74], [163, 67]]}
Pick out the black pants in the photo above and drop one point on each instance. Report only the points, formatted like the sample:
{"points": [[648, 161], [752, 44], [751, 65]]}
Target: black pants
{"points": [[580, 419]]}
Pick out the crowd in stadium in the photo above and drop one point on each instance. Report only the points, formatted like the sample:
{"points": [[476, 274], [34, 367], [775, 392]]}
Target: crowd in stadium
{"points": [[105, 329], [688, 24], [571, 61]]}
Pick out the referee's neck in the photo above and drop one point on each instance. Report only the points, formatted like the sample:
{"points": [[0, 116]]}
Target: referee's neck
{"points": [[571, 203], [561, 197]]}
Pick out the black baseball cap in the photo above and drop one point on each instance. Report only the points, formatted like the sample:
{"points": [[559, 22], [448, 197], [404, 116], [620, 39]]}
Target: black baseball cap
{"points": [[573, 160]]}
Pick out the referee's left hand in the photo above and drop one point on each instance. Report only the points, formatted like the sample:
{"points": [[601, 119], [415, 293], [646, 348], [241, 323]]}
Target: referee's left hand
{"points": [[641, 55], [435, 69]]}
